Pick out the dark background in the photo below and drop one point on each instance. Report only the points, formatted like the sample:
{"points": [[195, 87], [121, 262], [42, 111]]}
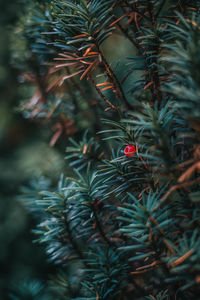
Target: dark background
{"points": [[21, 146]]}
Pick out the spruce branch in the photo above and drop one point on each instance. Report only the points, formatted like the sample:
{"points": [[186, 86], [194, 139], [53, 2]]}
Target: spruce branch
{"points": [[101, 94], [160, 9], [113, 78], [100, 228], [70, 235], [128, 220]]}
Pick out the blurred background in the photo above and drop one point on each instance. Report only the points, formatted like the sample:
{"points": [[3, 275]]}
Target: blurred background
{"points": [[22, 149]]}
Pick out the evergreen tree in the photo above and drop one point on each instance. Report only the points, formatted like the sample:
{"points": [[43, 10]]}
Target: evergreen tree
{"points": [[125, 225]]}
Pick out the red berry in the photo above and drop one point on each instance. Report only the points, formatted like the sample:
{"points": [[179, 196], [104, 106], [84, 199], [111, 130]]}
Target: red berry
{"points": [[129, 151]]}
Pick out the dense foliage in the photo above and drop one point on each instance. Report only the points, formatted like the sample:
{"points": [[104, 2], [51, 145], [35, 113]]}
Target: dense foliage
{"points": [[117, 73]]}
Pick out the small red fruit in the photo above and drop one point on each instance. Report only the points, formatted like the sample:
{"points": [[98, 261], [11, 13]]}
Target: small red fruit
{"points": [[129, 151]]}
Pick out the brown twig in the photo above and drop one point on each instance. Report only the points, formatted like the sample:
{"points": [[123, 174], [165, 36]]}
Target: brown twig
{"points": [[113, 78], [174, 188], [160, 9], [181, 259], [100, 93]]}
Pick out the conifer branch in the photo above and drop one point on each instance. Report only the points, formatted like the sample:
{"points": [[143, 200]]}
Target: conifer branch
{"points": [[100, 93], [146, 240], [113, 78], [160, 9], [100, 228]]}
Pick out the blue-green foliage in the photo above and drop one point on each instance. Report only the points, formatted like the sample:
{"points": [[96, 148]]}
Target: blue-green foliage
{"points": [[129, 225]]}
